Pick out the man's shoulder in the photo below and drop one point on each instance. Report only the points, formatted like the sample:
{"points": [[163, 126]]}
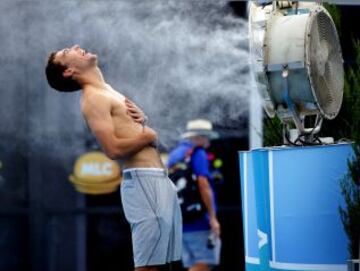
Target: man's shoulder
{"points": [[199, 153], [95, 95], [200, 161], [94, 100]]}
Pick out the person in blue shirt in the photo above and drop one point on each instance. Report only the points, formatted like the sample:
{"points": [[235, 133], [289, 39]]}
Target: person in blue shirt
{"points": [[201, 238]]}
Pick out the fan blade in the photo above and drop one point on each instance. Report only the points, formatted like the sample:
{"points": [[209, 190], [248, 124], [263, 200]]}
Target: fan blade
{"points": [[324, 94]]}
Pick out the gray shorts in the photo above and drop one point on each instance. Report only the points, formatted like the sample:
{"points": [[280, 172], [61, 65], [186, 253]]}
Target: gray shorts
{"points": [[151, 207], [196, 250]]}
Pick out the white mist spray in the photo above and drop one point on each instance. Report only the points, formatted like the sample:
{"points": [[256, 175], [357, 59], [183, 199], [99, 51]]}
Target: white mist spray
{"points": [[178, 60]]}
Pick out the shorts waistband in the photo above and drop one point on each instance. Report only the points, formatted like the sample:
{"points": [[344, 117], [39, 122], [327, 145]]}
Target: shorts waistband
{"points": [[133, 173]]}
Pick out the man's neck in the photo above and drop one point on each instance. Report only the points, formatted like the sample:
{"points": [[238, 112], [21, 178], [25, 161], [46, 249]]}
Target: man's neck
{"points": [[93, 79]]}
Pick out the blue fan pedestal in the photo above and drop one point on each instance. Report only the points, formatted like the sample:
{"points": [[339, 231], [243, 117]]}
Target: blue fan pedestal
{"points": [[290, 199]]}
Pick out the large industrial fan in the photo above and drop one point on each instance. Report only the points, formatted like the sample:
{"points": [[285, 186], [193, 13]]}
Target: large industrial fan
{"points": [[298, 65]]}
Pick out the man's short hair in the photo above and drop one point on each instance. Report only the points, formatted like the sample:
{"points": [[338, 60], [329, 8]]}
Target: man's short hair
{"points": [[54, 74]]}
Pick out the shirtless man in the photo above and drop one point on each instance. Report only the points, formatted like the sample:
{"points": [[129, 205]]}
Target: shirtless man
{"points": [[148, 196]]}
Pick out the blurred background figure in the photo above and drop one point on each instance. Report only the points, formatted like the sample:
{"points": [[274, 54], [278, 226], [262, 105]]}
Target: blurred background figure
{"points": [[189, 168]]}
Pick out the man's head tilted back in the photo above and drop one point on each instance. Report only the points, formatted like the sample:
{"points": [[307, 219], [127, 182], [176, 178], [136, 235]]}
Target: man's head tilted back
{"points": [[64, 68]]}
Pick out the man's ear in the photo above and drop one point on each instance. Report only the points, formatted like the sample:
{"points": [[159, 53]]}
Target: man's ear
{"points": [[68, 72]]}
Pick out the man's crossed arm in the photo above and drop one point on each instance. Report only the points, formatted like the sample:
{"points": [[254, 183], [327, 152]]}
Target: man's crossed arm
{"points": [[98, 116]]}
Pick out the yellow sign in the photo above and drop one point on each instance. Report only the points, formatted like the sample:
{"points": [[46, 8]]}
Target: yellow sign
{"points": [[94, 173]]}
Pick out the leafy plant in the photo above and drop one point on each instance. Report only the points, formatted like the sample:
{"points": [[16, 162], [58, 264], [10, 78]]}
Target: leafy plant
{"points": [[350, 215], [272, 132], [347, 125]]}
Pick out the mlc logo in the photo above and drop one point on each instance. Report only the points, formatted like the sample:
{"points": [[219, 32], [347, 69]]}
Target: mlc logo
{"points": [[96, 169]]}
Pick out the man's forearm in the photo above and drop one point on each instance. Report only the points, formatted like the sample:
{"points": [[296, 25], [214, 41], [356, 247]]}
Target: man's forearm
{"points": [[208, 198], [131, 146], [125, 147], [207, 195]]}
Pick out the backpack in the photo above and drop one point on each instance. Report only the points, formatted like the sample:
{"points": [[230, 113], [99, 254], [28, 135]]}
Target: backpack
{"points": [[182, 175]]}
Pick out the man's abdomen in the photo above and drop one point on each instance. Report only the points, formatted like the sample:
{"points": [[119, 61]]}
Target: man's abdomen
{"points": [[148, 157]]}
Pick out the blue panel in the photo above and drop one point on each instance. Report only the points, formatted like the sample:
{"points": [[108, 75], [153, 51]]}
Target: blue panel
{"points": [[307, 196], [260, 171], [248, 205], [292, 197]]}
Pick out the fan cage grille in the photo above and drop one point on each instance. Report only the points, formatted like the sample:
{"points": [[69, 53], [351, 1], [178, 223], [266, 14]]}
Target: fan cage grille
{"points": [[325, 64]]}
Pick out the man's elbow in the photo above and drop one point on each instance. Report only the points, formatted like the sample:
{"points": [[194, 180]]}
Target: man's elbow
{"points": [[203, 184]]}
